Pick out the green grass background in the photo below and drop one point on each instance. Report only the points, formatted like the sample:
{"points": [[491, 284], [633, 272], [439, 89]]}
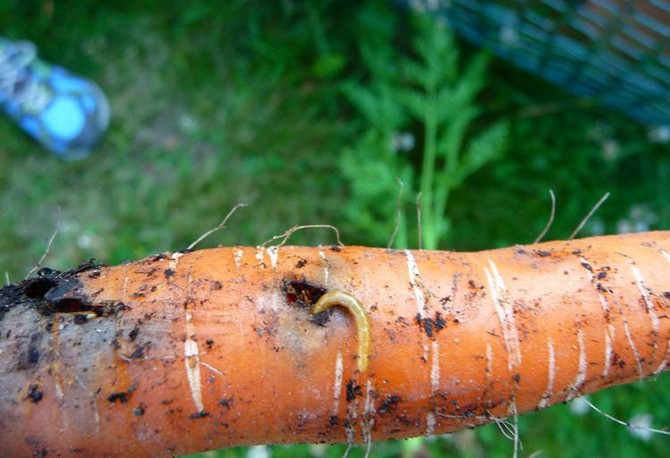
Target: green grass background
{"points": [[216, 103]]}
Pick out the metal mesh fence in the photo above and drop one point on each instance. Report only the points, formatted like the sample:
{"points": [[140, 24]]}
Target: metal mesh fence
{"points": [[617, 51]]}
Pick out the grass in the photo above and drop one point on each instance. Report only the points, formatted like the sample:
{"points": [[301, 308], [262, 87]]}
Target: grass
{"points": [[245, 102]]}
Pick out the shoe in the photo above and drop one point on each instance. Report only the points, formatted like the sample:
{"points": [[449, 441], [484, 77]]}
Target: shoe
{"points": [[65, 113]]}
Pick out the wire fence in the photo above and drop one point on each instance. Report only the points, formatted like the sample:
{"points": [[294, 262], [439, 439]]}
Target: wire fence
{"points": [[615, 51]]}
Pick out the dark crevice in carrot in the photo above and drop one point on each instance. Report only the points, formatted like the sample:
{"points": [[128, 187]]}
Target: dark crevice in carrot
{"points": [[51, 291], [353, 390], [34, 393], [122, 396], [389, 403], [303, 294]]}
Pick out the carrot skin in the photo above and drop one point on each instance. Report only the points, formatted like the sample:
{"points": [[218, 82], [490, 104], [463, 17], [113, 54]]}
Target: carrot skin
{"points": [[184, 352]]}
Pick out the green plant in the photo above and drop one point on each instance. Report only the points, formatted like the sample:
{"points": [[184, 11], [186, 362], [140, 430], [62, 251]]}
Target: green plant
{"points": [[432, 90]]}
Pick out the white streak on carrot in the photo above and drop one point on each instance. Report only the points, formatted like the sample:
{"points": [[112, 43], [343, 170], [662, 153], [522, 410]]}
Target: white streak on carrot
{"points": [[259, 257], [192, 364], [435, 368], [58, 389], [174, 260], [326, 272], [629, 337], [489, 363], [369, 406], [57, 375], [609, 330], [337, 384], [582, 368], [124, 289], [349, 427], [211, 368], [661, 367], [238, 253], [551, 376], [273, 253], [431, 419], [367, 421], [655, 323], [413, 272], [666, 255], [503, 306], [65, 420], [609, 335], [489, 360], [431, 423]]}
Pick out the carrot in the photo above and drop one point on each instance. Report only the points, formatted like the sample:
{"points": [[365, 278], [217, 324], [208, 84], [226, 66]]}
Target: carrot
{"points": [[190, 351]]}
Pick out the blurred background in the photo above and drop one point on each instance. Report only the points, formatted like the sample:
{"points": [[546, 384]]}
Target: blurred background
{"points": [[311, 112]]}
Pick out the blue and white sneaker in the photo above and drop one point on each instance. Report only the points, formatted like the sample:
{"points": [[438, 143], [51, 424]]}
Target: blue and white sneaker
{"points": [[65, 113]]}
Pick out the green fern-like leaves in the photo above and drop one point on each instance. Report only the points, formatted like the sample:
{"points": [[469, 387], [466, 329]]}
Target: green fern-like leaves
{"points": [[426, 87]]}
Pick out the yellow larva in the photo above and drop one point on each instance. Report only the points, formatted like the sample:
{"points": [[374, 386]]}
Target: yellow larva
{"points": [[338, 297]]}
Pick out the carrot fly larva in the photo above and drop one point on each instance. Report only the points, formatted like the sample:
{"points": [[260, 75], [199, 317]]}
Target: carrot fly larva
{"points": [[338, 297]]}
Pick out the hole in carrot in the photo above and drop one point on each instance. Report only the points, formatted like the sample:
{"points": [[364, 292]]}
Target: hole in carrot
{"points": [[52, 291], [38, 287], [303, 294]]}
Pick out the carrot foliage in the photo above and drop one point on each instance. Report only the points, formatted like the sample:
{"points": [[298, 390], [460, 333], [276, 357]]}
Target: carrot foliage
{"points": [[419, 133]]}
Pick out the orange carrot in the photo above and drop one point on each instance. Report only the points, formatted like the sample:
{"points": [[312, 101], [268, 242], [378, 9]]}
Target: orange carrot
{"points": [[199, 350]]}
